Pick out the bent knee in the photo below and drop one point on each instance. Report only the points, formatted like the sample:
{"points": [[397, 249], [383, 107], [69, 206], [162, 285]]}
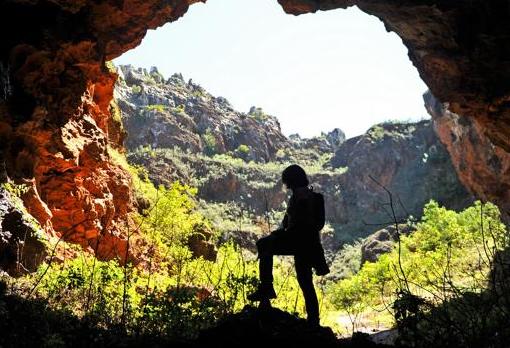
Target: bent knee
{"points": [[264, 244]]}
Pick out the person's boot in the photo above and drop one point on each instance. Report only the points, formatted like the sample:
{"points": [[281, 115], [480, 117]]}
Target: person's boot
{"points": [[313, 322], [264, 292]]}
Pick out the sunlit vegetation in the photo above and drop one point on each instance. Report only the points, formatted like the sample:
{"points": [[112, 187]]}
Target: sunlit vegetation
{"points": [[447, 268], [448, 258], [220, 163], [167, 292], [258, 114], [136, 89], [157, 107], [209, 142]]}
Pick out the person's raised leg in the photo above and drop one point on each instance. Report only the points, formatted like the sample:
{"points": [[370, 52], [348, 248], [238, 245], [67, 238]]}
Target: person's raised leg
{"points": [[305, 280], [265, 291]]}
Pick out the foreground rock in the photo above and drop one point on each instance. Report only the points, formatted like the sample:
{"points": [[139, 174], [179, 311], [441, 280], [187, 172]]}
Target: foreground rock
{"points": [[22, 242], [273, 328], [33, 323], [382, 242]]}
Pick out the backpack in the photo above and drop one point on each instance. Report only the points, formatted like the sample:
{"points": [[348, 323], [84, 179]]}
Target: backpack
{"points": [[319, 212]]}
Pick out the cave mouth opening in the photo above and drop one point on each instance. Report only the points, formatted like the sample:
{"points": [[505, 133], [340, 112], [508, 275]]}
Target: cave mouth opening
{"points": [[340, 67], [315, 73], [335, 68]]}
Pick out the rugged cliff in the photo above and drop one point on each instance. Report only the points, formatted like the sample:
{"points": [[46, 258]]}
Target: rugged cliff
{"points": [[483, 166], [164, 113]]}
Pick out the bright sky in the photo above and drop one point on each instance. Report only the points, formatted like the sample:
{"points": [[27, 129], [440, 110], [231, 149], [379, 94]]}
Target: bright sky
{"points": [[314, 72]]}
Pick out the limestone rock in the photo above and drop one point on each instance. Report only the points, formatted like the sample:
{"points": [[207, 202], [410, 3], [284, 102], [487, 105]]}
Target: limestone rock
{"points": [[173, 113], [482, 166], [22, 242]]}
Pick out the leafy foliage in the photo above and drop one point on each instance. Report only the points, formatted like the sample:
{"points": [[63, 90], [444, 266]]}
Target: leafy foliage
{"points": [[136, 89], [448, 258], [156, 107], [209, 141], [170, 294]]}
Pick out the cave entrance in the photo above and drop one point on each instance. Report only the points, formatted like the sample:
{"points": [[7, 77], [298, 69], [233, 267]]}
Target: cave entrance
{"points": [[315, 73], [334, 69]]}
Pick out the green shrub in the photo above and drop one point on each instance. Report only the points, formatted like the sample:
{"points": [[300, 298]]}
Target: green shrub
{"points": [[157, 107], [179, 109], [376, 132], [244, 149], [444, 258], [209, 141], [136, 89], [258, 114]]}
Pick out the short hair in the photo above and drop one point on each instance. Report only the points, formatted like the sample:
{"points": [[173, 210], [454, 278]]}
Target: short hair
{"points": [[294, 176]]}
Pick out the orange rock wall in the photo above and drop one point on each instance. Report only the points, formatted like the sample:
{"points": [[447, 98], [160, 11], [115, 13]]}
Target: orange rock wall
{"points": [[483, 167]]}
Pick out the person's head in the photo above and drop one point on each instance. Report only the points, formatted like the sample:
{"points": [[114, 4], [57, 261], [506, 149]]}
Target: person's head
{"points": [[294, 177]]}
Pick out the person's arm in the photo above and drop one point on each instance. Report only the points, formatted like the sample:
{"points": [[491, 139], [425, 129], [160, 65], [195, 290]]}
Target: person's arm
{"points": [[301, 217], [283, 226]]}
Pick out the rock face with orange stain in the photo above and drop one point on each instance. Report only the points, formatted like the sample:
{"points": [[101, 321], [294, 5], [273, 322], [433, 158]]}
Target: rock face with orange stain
{"points": [[482, 166], [75, 192], [55, 113]]}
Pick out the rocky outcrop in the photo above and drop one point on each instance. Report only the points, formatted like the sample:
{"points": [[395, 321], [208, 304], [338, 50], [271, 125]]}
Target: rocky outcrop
{"points": [[325, 143], [55, 125], [273, 327], [482, 166], [61, 154], [200, 244], [407, 159], [382, 242], [22, 243], [168, 113]]}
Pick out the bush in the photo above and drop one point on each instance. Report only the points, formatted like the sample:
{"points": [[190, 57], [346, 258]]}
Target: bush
{"points": [[156, 107], [447, 260], [136, 89], [209, 141], [258, 114]]}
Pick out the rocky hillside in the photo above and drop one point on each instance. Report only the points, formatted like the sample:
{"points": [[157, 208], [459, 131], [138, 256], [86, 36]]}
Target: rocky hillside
{"points": [[406, 158], [163, 113], [172, 142]]}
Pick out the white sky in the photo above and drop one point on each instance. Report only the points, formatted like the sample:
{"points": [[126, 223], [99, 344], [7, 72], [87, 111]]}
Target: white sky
{"points": [[314, 72]]}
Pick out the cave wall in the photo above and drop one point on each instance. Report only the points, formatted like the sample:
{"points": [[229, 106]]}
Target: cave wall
{"points": [[482, 165], [55, 94], [55, 120]]}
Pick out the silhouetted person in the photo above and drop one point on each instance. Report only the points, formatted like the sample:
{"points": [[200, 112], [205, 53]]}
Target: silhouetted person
{"points": [[298, 236]]}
